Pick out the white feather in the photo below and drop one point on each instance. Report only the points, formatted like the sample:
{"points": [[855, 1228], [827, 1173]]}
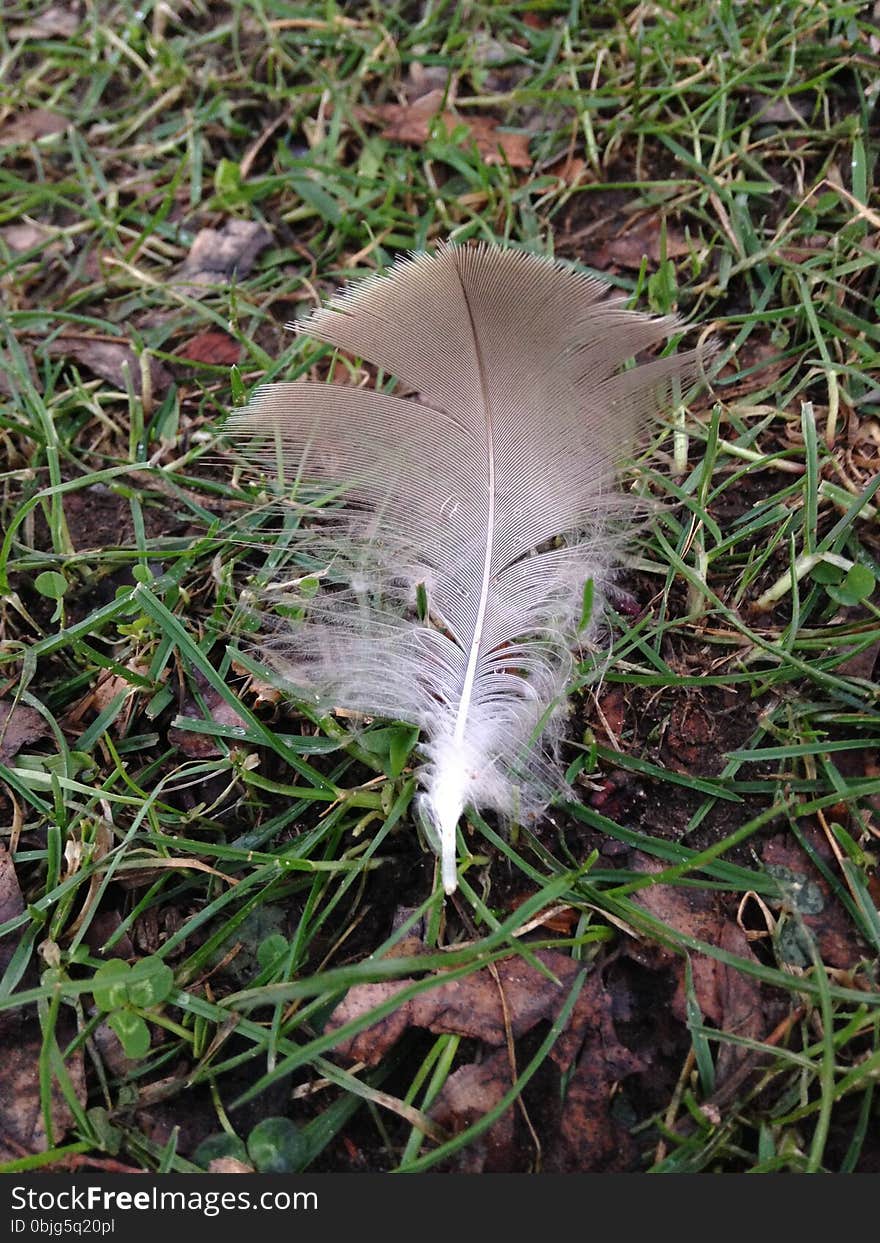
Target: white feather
{"points": [[492, 493]]}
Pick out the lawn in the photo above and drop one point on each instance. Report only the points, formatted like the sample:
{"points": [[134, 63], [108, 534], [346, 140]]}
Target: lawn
{"points": [[223, 938]]}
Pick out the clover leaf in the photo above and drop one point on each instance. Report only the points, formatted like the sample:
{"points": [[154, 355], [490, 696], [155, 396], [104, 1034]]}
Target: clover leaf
{"points": [[124, 990]]}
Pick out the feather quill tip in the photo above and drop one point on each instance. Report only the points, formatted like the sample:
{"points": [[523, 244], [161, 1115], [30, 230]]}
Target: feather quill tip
{"points": [[445, 805]]}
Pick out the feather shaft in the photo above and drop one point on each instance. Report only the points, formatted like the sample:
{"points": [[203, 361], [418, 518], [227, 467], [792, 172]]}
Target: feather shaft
{"points": [[450, 787]]}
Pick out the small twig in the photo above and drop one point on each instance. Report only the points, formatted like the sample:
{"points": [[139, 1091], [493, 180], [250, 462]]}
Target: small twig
{"points": [[247, 160]]}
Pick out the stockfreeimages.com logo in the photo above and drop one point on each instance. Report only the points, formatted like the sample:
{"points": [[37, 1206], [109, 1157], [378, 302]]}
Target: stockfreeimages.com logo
{"points": [[93, 1199]]}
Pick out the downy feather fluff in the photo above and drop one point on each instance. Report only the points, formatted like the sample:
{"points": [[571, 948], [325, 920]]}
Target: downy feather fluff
{"points": [[461, 526]]}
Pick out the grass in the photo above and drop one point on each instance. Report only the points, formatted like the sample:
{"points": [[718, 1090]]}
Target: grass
{"points": [[184, 815]]}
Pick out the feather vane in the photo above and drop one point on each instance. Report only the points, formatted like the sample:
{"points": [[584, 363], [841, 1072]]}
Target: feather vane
{"points": [[490, 496]]}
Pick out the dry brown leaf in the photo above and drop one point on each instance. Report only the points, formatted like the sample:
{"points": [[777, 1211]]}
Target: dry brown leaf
{"points": [[823, 915], [589, 1139], [472, 1006], [111, 1051], [11, 900], [412, 123], [558, 919], [31, 125], [424, 80], [54, 22], [860, 665], [690, 743], [22, 237], [805, 247], [107, 686], [198, 745], [229, 1165], [782, 109], [111, 684], [643, 241], [99, 931], [728, 998], [11, 905], [570, 169], [22, 1126], [109, 360], [865, 436], [468, 1095], [20, 725], [218, 256], [217, 348], [261, 691], [612, 706], [133, 875], [763, 362]]}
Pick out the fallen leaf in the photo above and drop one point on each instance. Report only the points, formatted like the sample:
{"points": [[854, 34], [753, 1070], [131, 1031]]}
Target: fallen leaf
{"points": [[100, 930], [218, 256], [782, 109], [11, 905], [110, 684], [424, 80], [22, 237], [763, 362], [412, 123], [109, 359], [107, 686], [589, 1139], [54, 22], [641, 241], [229, 1165], [470, 1006], [631, 248], [498, 64], [196, 744], [728, 998], [562, 920], [861, 664], [468, 1095], [805, 247], [690, 743], [866, 435], [110, 1050], [22, 1125], [31, 125], [213, 347], [20, 725], [570, 169], [810, 895], [261, 691], [612, 714]]}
